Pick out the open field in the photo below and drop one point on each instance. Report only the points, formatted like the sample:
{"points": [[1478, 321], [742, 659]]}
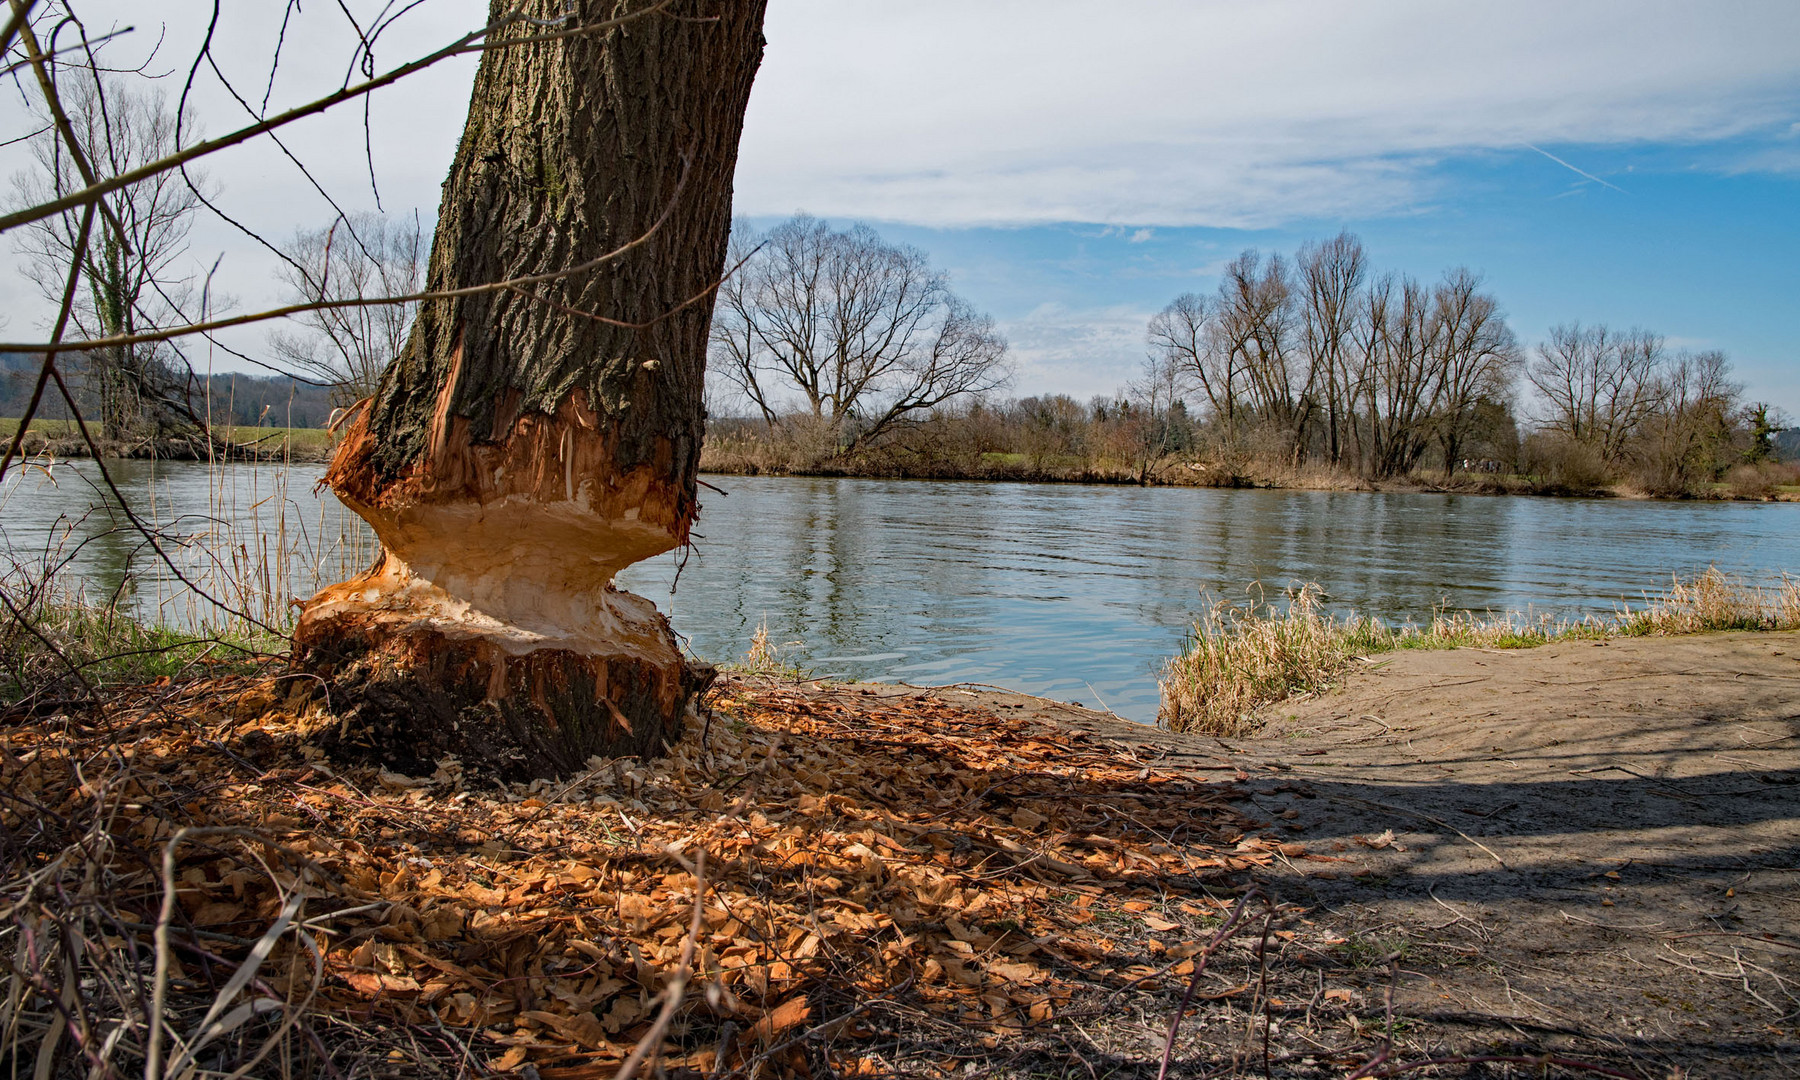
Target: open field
{"points": [[304, 442], [316, 440], [55, 429]]}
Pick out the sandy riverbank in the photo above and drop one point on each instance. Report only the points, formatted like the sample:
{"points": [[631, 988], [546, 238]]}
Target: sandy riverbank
{"points": [[1598, 842]]}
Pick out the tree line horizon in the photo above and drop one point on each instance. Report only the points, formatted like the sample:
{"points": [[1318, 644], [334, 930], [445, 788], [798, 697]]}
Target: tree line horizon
{"points": [[1313, 360], [835, 350]]}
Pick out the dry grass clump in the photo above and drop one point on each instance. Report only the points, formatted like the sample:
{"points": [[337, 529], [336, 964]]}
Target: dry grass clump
{"points": [[764, 657], [1240, 660], [1761, 481], [1716, 601], [1243, 658]]}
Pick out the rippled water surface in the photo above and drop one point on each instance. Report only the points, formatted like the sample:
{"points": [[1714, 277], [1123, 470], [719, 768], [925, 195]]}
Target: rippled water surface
{"points": [[1074, 592]]}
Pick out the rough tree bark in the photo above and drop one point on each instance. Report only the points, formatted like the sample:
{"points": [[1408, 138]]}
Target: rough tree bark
{"points": [[522, 449]]}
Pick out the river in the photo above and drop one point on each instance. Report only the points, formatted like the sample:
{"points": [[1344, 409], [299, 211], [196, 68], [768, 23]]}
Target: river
{"points": [[1070, 591]]}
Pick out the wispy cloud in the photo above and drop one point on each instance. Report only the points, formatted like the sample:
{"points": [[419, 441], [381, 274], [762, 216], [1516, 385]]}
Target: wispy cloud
{"points": [[1084, 352], [1578, 172], [1207, 112]]}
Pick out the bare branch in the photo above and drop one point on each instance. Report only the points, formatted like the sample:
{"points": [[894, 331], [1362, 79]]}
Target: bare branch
{"points": [[468, 43], [21, 12], [62, 322], [353, 302], [84, 46]]}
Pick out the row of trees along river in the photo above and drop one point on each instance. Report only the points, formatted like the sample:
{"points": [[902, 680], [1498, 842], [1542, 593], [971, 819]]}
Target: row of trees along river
{"points": [[837, 352]]}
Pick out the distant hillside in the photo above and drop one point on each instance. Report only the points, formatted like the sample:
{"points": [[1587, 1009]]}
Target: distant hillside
{"points": [[237, 398], [270, 401], [1787, 445]]}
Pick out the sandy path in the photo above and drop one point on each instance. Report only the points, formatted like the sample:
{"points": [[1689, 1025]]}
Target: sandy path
{"points": [[1593, 844]]}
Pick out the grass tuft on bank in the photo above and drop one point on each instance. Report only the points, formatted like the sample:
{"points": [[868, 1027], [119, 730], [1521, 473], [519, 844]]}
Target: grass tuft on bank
{"points": [[58, 650], [1241, 659], [764, 658]]}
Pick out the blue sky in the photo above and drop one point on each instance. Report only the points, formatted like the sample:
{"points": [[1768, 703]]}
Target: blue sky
{"points": [[1709, 258], [1074, 166]]}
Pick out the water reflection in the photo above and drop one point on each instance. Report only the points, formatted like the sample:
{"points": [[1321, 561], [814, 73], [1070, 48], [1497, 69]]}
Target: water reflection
{"points": [[1073, 592], [1080, 592], [255, 536]]}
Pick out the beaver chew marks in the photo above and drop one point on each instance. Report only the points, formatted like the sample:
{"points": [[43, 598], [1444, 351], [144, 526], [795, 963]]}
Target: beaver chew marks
{"points": [[531, 441]]}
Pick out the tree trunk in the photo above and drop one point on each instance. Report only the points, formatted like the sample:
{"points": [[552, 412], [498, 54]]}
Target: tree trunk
{"points": [[530, 443]]}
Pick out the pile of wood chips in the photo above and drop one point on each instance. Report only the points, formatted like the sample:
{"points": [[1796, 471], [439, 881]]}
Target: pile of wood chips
{"points": [[854, 851]]}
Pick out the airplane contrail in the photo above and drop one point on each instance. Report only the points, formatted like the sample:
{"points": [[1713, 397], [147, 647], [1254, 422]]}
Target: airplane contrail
{"points": [[1573, 169]]}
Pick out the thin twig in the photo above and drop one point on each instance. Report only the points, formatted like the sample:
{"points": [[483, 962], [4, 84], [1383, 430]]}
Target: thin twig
{"points": [[677, 988], [475, 41]]}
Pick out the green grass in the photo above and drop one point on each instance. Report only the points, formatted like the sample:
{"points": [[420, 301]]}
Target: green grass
{"points": [[300, 438], [1242, 659], [69, 643], [271, 437], [56, 429]]}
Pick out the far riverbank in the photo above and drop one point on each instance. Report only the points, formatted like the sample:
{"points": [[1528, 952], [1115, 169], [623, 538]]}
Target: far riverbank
{"points": [[1188, 474], [57, 440]]}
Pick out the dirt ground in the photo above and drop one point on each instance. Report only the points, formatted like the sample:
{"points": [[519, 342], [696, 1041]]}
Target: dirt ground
{"points": [[1590, 848], [1596, 843], [1455, 864]]}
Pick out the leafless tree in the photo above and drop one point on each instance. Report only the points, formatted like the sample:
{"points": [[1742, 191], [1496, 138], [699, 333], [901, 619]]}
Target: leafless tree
{"points": [[1254, 331], [1397, 339], [364, 256], [1330, 280], [1686, 441], [1048, 428], [1183, 337], [866, 333], [1600, 386], [1241, 350], [133, 269], [1147, 411], [1476, 358]]}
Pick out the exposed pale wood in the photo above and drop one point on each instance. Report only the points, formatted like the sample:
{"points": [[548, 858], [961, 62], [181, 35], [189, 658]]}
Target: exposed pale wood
{"points": [[517, 454]]}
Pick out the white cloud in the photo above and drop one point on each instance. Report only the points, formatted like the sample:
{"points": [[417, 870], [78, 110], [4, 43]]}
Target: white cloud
{"points": [[1140, 114], [1220, 113], [1083, 352]]}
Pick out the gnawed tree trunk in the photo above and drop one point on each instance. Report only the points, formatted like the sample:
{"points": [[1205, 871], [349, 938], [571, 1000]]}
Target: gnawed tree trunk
{"points": [[521, 451]]}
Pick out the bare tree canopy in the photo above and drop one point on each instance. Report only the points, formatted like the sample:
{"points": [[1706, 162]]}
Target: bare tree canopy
{"points": [[1312, 358], [856, 334], [1331, 277], [1690, 433], [359, 257], [130, 259], [1181, 339], [1477, 358], [1600, 385]]}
